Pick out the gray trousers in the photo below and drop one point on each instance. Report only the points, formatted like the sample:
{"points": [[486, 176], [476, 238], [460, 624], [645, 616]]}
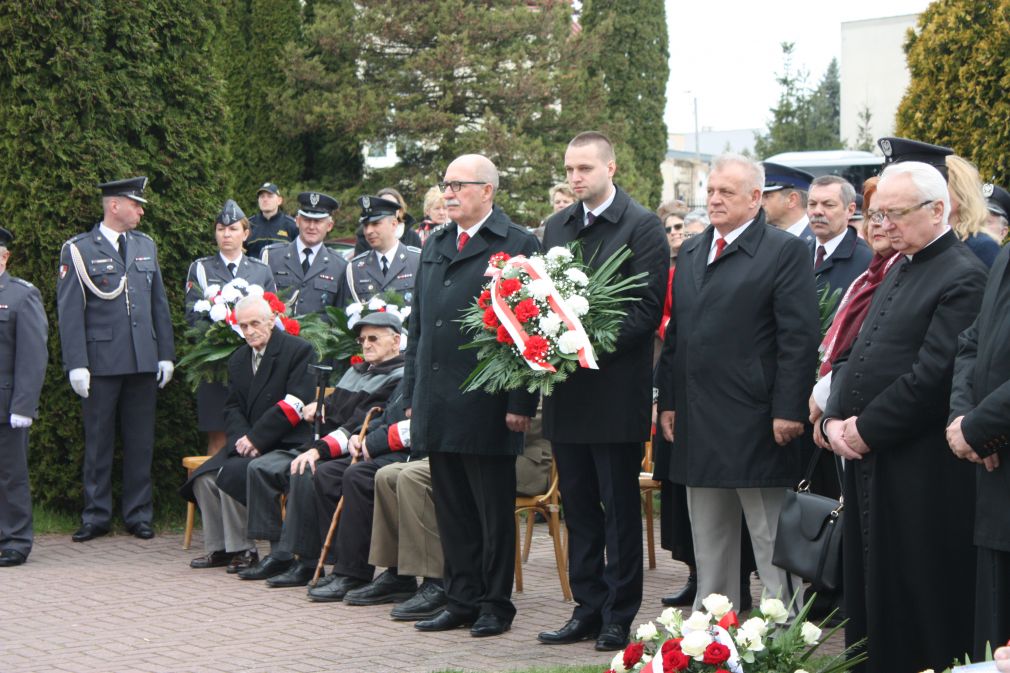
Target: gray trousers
{"points": [[223, 517], [15, 497], [715, 525], [298, 533], [404, 529]]}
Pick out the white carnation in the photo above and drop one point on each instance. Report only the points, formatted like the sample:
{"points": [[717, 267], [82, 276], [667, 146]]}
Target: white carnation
{"points": [[550, 323], [558, 252], [218, 312], [755, 625], [375, 303], [698, 621], [354, 308], [694, 643], [810, 633], [578, 304], [240, 282], [646, 631], [211, 291], [230, 293], [353, 320], [540, 288], [202, 306], [254, 291], [775, 610], [405, 312], [717, 604], [577, 277], [570, 342]]}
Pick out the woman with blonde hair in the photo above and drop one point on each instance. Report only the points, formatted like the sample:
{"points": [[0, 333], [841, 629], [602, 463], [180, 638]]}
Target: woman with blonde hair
{"points": [[435, 213], [968, 210]]}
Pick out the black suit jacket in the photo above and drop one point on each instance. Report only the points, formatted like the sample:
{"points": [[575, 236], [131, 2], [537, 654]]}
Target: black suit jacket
{"points": [[740, 350], [613, 404], [850, 258], [443, 417]]}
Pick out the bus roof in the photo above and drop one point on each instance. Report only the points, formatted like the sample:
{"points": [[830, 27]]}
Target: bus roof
{"points": [[827, 158]]}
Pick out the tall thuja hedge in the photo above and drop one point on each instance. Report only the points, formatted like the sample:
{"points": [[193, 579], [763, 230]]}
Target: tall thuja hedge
{"points": [[89, 91]]}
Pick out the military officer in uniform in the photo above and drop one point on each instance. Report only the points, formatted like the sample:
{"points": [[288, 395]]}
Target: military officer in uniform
{"points": [[271, 224], [116, 334], [390, 264], [306, 271], [23, 332], [231, 229]]}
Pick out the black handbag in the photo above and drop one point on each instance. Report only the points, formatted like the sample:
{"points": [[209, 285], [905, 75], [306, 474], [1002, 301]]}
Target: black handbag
{"points": [[808, 542]]}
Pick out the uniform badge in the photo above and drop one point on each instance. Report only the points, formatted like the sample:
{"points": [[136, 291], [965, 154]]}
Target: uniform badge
{"points": [[4, 306], [987, 190], [283, 233], [361, 265], [371, 287], [189, 285], [366, 202], [265, 185], [314, 199], [325, 277], [63, 271], [109, 267], [885, 147]]}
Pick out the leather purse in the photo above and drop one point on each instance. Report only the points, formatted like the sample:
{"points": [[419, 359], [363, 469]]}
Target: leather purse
{"points": [[808, 542]]}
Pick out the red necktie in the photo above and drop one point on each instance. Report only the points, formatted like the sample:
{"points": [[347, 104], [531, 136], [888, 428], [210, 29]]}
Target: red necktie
{"points": [[461, 242], [719, 246], [820, 257]]}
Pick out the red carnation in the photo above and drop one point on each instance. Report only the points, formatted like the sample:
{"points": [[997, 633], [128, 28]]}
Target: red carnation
{"points": [[675, 660], [715, 653], [498, 259], [291, 326], [277, 306], [484, 300], [527, 309], [490, 319], [536, 349], [269, 296], [503, 336], [357, 359], [633, 654], [509, 286]]}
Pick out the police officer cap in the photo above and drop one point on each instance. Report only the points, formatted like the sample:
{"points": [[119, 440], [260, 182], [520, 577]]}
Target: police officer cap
{"points": [[897, 150], [379, 319], [230, 214], [316, 206], [268, 187], [131, 188], [997, 199], [375, 208], [6, 237], [779, 177]]}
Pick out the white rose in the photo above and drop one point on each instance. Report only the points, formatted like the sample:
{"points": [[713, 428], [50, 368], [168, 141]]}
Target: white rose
{"points": [[550, 323], [570, 342], [230, 293], [240, 282], [353, 308], [755, 625], [749, 640], [617, 663], [694, 643], [698, 621], [646, 631], [539, 289], [375, 303], [810, 633], [558, 252], [211, 291], [775, 610], [669, 617], [578, 304], [717, 604], [218, 312], [254, 291], [577, 277], [202, 306]]}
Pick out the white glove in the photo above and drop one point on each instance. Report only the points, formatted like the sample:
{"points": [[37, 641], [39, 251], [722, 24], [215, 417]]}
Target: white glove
{"points": [[165, 371], [18, 421], [80, 380]]}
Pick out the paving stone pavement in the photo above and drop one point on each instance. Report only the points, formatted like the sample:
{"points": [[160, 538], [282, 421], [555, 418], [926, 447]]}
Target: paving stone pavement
{"points": [[122, 605]]}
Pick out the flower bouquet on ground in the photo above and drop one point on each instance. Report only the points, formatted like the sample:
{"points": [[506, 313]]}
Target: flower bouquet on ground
{"points": [[542, 317], [216, 335], [332, 332], [714, 641]]}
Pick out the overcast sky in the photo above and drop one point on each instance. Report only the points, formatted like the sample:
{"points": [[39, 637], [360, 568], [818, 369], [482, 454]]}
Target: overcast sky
{"points": [[728, 54]]}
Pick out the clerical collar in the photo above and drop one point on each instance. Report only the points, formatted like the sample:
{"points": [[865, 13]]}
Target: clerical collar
{"points": [[946, 228], [598, 210]]}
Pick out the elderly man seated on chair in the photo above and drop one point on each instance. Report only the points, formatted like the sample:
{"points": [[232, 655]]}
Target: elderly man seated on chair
{"points": [[363, 386], [268, 379]]}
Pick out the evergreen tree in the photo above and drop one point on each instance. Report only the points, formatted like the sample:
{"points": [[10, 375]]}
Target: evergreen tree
{"points": [[864, 133], [92, 92], [959, 60], [824, 125]]}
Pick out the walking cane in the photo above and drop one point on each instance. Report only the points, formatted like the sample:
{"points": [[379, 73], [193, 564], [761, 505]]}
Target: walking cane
{"points": [[340, 503], [322, 377]]}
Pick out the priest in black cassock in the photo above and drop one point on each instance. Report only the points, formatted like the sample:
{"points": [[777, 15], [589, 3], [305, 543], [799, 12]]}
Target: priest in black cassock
{"points": [[909, 560]]}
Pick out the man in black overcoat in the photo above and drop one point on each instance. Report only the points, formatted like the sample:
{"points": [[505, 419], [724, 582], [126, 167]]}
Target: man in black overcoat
{"points": [[738, 360], [268, 384], [472, 438], [908, 556], [598, 420]]}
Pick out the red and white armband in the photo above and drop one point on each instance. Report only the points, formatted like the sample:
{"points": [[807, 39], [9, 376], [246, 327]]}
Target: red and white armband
{"points": [[292, 408], [336, 442], [399, 436]]}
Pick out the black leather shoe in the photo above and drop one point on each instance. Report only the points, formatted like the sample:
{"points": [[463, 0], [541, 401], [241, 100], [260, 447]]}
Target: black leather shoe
{"points": [[88, 531], [298, 575], [266, 568], [443, 621], [489, 625], [142, 530], [573, 631], [686, 595], [386, 588], [428, 602], [612, 637], [11, 557], [334, 590], [215, 559], [243, 560]]}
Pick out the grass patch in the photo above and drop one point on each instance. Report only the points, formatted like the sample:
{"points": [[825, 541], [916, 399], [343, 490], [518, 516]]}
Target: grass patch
{"points": [[51, 521]]}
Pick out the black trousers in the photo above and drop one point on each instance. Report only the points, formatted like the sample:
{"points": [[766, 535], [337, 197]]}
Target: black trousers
{"points": [[132, 398], [474, 499], [15, 497], [992, 600], [591, 475]]}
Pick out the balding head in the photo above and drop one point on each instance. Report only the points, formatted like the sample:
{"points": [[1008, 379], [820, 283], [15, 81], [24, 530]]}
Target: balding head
{"points": [[478, 180]]}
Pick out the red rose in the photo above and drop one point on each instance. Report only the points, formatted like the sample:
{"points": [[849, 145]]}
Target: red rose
{"points": [[503, 336], [498, 259], [509, 286], [490, 319], [526, 309], [633, 654], [674, 659], [357, 359], [484, 300], [715, 653], [672, 644], [536, 349]]}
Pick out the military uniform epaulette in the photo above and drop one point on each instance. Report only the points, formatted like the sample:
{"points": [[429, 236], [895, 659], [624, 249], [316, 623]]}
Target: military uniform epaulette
{"points": [[279, 244], [363, 255], [412, 248], [21, 281], [205, 259], [255, 262], [80, 236], [142, 235]]}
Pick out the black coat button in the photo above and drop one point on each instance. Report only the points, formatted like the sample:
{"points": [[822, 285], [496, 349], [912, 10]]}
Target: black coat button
{"points": [[438, 323], [434, 366]]}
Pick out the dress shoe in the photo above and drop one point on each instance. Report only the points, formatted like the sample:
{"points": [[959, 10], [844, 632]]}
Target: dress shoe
{"points": [[686, 595], [489, 625], [386, 588], [11, 557], [572, 632], [443, 621], [266, 568], [88, 531], [428, 602], [333, 590], [243, 560], [142, 530], [298, 575], [215, 559], [612, 637]]}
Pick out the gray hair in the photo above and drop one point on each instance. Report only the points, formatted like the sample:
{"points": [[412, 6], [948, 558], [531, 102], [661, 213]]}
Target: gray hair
{"points": [[755, 171], [848, 192], [696, 215], [928, 182], [253, 302]]}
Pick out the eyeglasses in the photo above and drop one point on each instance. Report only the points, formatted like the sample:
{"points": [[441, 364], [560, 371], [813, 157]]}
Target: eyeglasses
{"points": [[371, 338], [895, 215], [673, 228], [456, 185]]}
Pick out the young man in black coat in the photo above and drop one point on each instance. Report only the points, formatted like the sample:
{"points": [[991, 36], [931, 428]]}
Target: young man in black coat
{"points": [[472, 438], [598, 420]]}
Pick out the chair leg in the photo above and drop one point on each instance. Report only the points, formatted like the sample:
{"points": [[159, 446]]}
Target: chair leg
{"points": [[518, 560], [649, 535], [560, 558], [284, 506], [187, 536], [531, 516]]}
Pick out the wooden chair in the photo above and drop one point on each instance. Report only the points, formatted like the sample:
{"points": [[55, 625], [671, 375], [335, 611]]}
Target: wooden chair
{"points": [[548, 505], [191, 463], [647, 485]]}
